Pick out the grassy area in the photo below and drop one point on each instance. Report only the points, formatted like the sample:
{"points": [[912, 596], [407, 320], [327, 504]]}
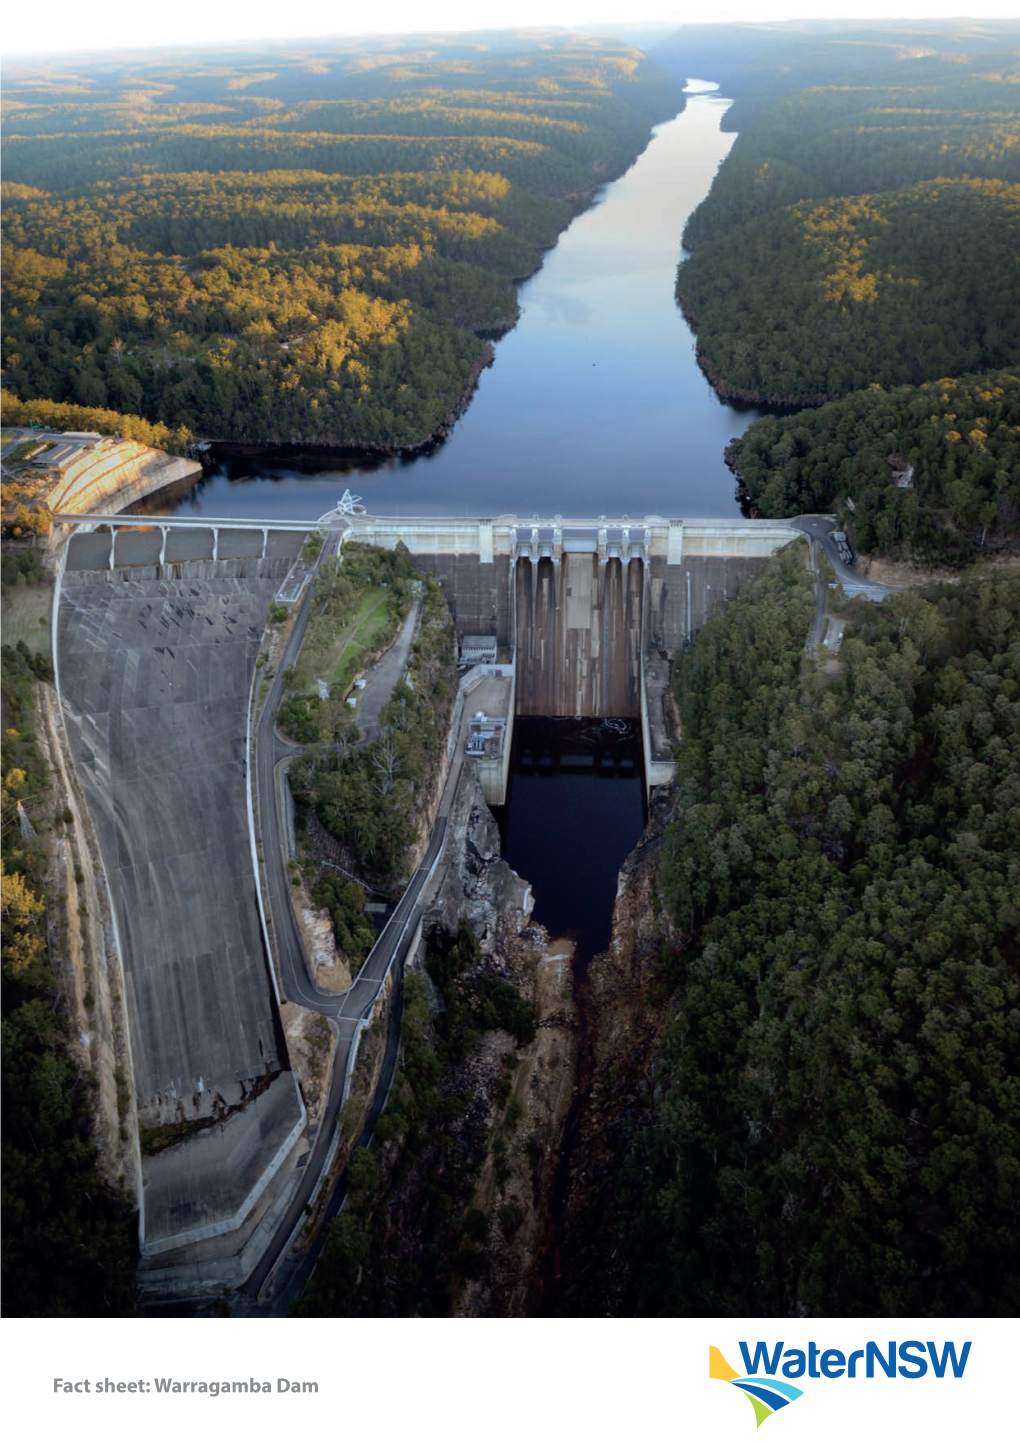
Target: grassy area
{"points": [[24, 452], [27, 617], [335, 656], [368, 625]]}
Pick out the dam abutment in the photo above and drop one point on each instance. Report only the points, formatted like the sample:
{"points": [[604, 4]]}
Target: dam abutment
{"points": [[157, 634], [591, 612]]}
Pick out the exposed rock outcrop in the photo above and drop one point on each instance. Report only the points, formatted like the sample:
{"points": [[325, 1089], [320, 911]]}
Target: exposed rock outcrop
{"points": [[624, 1023]]}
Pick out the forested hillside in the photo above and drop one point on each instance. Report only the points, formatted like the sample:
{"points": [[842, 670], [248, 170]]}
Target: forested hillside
{"points": [[287, 246], [865, 232], [812, 301], [831, 1125], [69, 1246], [932, 471], [855, 138], [756, 62]]}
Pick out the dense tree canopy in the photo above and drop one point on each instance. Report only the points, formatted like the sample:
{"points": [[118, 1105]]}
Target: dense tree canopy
{"points": [[298, 247], [68, 1246], [374, 797], [931, 472], [811, 301], [408, 1236], [860, 247], [832, 1124], [758, 62], [948, 121], [65, 417]]}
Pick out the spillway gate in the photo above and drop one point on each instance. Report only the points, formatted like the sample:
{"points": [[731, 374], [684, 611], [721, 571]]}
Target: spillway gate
{"points": [[578, 607]]}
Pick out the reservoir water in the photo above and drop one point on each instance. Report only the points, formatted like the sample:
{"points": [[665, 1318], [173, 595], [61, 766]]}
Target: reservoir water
{"points": [[595, 402]]}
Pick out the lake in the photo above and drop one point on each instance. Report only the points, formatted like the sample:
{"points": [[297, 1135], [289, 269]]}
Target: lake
{"points": [[595, 403]]}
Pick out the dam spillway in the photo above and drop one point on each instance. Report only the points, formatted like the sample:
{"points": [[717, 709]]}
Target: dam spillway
{"points": [[156, 670], [578, 627], [155, 641], [588, 612]]}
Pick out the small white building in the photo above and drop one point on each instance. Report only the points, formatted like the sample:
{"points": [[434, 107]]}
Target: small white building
{"points": [[88, 439]]}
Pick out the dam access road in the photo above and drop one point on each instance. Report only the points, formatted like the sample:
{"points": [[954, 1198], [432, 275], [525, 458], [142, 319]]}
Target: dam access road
{"points": [[143, 621], [156, 660]]}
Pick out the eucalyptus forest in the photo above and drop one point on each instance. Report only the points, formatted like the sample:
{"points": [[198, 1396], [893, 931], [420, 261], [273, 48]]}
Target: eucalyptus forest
{"points": [[860, 248], [828, 1123], [812, 1106], [298, 246]]}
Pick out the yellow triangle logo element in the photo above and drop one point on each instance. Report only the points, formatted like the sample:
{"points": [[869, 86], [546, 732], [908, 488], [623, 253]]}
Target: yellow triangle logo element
{"points": [[719, 1370]]}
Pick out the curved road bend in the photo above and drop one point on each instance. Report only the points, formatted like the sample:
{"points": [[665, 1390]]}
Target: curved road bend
{"points": [[818, 533], [292, 1274], [270, 749], [349, 1008], [820, 529]]}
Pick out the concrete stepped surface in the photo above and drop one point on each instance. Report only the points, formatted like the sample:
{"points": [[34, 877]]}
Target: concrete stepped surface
{"points": [[155, 678], [119, 472]]}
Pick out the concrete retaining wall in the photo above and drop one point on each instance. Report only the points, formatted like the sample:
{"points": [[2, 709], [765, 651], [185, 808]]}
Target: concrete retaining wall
{"points": [[115, 475], [491, 540], [237, 570]]}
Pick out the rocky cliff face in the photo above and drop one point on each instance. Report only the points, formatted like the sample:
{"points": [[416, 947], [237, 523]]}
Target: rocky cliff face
{"points": [[493, 1162], [546, 1191], [478, 886], [525, 1101], [625, 1015]]}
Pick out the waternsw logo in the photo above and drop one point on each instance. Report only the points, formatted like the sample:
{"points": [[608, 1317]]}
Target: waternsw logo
{"points": [[767, 1394]]}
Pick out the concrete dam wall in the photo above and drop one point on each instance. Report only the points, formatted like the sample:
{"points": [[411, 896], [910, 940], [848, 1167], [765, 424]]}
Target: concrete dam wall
{"points": [[155, 674], [196, 553], [156, 636], [478, 592], [578, 636], [591, 611]]}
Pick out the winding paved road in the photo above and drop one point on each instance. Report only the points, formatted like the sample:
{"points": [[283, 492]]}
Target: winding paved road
{"points": [[818, 531], [348, 1009]]}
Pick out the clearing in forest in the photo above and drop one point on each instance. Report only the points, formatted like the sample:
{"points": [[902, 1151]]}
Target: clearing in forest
{"points": [[334, 654]]}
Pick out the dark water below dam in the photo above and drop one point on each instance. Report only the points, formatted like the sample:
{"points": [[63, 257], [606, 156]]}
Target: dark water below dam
{"points": [[595, 404], [575, 808]]}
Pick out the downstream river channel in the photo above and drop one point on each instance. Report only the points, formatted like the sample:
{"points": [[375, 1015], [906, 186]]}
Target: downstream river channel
{"points": [[595, 404]]}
